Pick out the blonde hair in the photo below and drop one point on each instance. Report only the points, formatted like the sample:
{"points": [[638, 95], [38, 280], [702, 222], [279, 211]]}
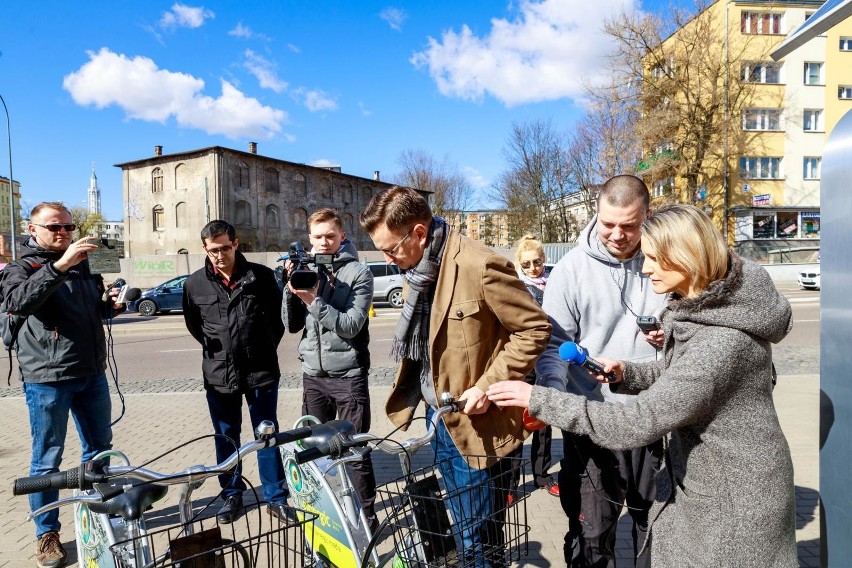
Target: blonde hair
{"points": [[529, 243], [685, 239]]}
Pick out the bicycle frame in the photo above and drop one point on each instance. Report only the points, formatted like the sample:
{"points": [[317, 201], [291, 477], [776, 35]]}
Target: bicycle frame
{"points": [[341, 534]]}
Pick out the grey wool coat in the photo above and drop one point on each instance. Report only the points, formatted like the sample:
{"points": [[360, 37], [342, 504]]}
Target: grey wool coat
{"points": [[725, 493]]}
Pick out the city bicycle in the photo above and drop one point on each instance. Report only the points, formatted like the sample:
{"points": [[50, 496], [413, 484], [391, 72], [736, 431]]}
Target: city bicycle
{"points": [[110, 504], [415, 505]]}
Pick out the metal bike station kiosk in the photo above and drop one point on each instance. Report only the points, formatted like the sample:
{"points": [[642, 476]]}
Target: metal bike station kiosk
{"points": [[835, 431]]}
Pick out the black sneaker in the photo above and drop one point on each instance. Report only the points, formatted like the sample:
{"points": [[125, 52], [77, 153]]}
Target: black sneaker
{"points": [[231, 510], [373, 523], [281, 511]]}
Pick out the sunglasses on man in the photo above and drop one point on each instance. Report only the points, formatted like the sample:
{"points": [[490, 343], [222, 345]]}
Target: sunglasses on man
{"points": [[537, 263], [55, 228]]}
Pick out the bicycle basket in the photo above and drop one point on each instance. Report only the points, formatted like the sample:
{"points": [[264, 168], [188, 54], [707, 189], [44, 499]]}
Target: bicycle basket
{"points": [[492, 527], [283, 545]]}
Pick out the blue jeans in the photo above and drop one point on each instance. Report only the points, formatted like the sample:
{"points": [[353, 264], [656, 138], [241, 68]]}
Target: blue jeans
{"points": [[473, 497], [226, 412], [87, 399]]}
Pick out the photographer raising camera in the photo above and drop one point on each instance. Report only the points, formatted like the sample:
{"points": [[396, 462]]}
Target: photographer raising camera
{"points": [[332, 315]]}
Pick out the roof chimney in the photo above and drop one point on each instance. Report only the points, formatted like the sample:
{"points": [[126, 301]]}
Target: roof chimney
{"points": [[253, 147], [158, 150], [375, 175]]}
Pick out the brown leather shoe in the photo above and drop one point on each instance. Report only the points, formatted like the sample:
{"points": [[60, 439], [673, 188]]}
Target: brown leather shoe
{"points": [[49, 551]]}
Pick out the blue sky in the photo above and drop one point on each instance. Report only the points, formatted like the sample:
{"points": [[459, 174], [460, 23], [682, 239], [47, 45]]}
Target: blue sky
{"points": [[353, 83]]}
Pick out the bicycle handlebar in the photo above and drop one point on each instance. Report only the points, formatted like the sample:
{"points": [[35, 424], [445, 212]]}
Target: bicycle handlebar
{"points": [[338, 437], [85, 476]]}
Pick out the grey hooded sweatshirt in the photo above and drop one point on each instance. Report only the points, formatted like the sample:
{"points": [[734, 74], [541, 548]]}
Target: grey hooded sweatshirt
{"points": [[593, 298]]}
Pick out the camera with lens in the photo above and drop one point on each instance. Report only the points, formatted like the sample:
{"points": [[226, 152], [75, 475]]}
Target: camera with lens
{"points": [[303, 277]]}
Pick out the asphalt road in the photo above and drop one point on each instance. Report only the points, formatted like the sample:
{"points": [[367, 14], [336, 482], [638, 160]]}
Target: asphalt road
{"points": [[159, 349]]}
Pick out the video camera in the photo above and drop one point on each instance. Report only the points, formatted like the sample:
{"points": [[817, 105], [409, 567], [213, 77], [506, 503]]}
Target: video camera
{"points": [[303, 277]]}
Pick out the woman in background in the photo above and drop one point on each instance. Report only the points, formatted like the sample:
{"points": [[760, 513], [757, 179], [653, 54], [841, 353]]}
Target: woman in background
{"points": [[530, 257], [725, 494]]}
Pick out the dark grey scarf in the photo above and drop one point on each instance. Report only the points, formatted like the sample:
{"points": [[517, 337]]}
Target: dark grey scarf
{"points": [[411, 340]]}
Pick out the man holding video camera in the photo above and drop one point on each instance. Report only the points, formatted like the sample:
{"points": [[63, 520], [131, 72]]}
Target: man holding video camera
{"points": [[231, 308], [332, 313]]}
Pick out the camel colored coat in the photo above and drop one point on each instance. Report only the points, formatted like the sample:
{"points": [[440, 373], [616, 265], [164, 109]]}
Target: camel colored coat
{"points": [[484, 328]]}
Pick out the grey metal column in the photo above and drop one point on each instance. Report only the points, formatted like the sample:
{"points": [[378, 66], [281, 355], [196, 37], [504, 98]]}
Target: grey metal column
{"points": [[835, 457]]}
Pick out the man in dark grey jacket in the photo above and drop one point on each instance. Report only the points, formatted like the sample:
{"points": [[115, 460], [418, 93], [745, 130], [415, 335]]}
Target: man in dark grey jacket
{"points": [[61, 352], [231, 309], [333, 319]]}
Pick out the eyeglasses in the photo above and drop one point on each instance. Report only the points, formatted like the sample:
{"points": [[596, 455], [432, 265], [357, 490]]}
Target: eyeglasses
{"points": [[55, 228], [392, 251], [220, 251], [537, 263]]}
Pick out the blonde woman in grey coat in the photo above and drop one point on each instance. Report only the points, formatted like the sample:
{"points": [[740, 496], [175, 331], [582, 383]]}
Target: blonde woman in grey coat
{"points": [[725, 493]]}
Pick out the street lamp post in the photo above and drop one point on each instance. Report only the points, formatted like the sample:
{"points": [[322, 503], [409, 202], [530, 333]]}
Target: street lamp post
{"points": [[11, 183]]}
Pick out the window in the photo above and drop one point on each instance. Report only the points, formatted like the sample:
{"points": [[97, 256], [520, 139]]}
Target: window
{"points": [[180, 215], [763, 226], [300, 187], [761, 23], [761, 72], [762, 119], [760, 168], [844, 92], [787, 223], [811, 167], [663, 186], [813, 121], [156, 180], [846, 44], [272, 217], [242, 213], [158, 217], [813, 73], [300, 219], [270, 181], [242, 175]]}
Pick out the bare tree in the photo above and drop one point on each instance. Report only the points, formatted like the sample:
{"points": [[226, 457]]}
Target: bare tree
{"points": [[681, 78], [535, 180], [451, 191]]}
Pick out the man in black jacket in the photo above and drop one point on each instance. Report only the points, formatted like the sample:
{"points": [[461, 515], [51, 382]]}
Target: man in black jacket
{"points": [[61, 352], [231, 308]]}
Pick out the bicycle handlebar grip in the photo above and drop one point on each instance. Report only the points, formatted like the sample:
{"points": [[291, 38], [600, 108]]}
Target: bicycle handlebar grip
{"points": [[308, 455], [292, 435], [60, 480]]}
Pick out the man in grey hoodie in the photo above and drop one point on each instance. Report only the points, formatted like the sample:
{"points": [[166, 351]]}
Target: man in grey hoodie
{"points": [[333, 319], [593, 297]]}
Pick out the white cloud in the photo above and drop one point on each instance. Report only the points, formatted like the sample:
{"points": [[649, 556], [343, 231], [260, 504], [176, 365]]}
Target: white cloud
{"points": [[184, 16], [475, 178], [394, 17], [148, 93], [548, 51], [364, 110], [294, 48], [264, 70], [246, 32], [315, 100], [324, 163]]}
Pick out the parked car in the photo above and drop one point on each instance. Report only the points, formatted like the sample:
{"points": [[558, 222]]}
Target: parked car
{"points": [[387, 283], [160, 299], [809, 278]]}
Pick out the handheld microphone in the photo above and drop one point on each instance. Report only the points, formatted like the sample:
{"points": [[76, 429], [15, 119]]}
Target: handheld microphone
{"points": [[128, 295], [573, 353]]}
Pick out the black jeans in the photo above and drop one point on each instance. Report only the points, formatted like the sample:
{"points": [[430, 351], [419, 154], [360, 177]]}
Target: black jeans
{"points": [[593, 484], [540, 457], [346, 398]]}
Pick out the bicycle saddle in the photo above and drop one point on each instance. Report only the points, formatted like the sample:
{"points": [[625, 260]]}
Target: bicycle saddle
{"points": [[130, 503]]}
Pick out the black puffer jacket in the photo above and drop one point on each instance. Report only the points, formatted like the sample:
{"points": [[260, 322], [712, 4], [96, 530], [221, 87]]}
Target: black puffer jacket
{"points": [[63, 336], [239, 331]]}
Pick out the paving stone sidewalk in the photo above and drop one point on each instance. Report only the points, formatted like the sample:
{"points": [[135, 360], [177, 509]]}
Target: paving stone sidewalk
{"points": [[156, 420]]}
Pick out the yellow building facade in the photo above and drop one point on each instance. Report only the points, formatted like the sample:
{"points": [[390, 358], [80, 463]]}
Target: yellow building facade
{"points": [[762, 175]]}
